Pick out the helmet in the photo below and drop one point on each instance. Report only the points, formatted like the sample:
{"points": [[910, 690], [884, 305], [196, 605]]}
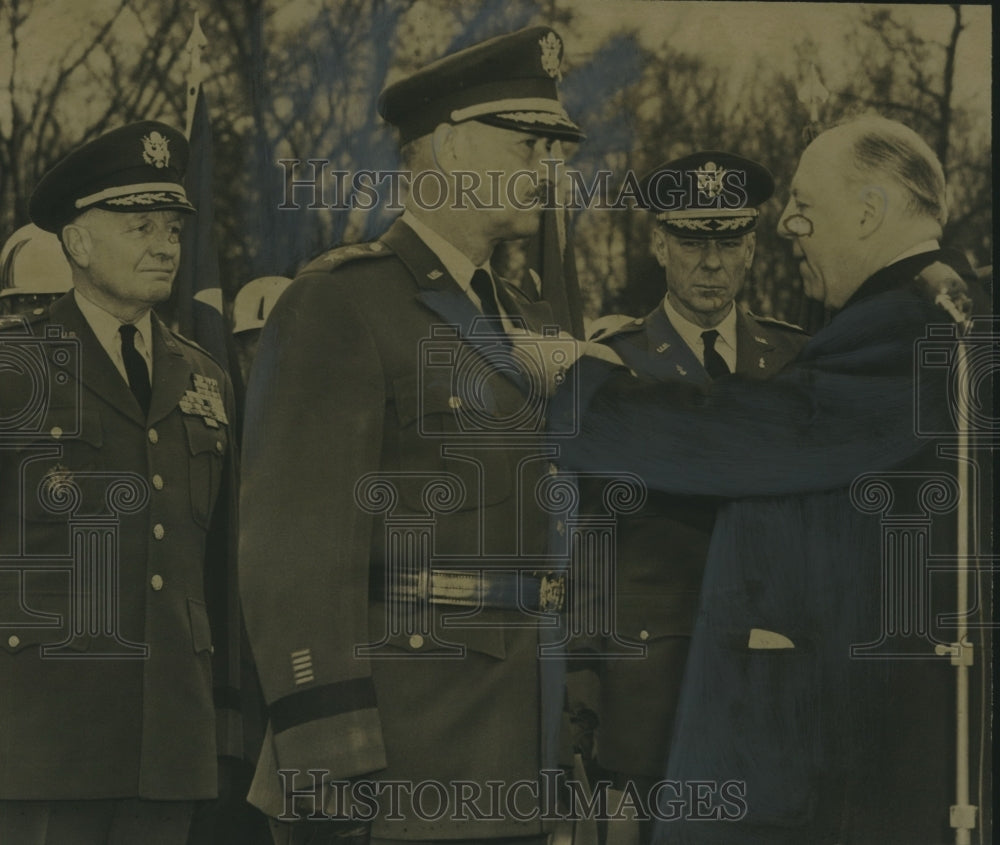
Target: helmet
{"points": [[32, 262], [255, 300]]}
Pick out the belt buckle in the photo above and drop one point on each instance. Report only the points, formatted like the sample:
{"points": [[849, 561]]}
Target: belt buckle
{"points": [[551, 593]]}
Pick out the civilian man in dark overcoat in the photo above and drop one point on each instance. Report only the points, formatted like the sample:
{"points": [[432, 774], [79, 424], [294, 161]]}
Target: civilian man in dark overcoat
{"points": [[119, 661], [817, 700]]}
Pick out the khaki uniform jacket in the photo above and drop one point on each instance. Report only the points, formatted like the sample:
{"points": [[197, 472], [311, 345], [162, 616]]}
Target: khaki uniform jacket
{"points": [[117, 602], [351, 383]]}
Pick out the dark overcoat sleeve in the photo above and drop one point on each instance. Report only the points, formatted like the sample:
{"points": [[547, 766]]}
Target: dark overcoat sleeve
{"points": [[304, 543], [847, 405]]}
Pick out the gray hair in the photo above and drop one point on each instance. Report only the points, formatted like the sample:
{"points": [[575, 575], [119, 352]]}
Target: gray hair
{"points": [[886, 147]]}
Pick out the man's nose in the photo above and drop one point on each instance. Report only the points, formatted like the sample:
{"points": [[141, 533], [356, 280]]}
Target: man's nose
{"points": [[711, 257], [783, 230]]}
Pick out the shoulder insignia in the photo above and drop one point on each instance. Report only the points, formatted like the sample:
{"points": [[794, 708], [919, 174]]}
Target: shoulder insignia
{"points": [[186, 341], [611, 324], [338, 256], [781, 324]]}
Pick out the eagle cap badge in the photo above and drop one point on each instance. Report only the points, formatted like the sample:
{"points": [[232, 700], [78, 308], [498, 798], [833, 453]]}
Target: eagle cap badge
{"points": [[710, 179], [156, 150], [552, 49]]}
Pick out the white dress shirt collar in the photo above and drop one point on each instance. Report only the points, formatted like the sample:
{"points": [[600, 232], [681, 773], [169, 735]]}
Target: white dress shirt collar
{"points": [[725, 343], [105, 326]]}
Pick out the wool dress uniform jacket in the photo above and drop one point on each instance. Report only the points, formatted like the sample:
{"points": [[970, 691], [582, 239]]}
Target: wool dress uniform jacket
{"points": [[817, 747], [661, 551], [343, 387], [90, 718]]}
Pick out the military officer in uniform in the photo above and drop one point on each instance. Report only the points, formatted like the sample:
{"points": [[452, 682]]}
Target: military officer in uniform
{"points": [[360, 381], [117, 594], [706, 207], [33, 271]]}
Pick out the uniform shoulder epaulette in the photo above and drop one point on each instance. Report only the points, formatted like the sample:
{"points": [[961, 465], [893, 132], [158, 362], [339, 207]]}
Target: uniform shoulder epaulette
{"points": [[612, 324], [197, 347], [341, 255], [781, 324]]}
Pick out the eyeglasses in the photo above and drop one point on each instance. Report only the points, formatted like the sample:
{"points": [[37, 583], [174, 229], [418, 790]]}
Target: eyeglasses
{"points": [[795, 226]]}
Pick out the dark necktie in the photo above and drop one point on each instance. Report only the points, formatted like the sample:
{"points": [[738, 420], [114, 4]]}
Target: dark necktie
{"points": [[135, 367], [715, 364], [482, 286]]}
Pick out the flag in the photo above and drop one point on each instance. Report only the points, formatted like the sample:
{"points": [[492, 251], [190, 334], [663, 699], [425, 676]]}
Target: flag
{"points": [[551, 251], [200, 314]]}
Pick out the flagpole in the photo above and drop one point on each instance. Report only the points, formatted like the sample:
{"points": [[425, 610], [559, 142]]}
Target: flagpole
{"points": [[196, 43]]}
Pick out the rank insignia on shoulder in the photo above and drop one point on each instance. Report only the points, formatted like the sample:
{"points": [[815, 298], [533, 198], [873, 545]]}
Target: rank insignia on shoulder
{"points": [[205, 401], [663, 347]]}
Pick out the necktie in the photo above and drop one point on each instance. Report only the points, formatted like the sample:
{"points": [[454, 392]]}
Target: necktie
{"points": [[135, 367], [715, 364], [482, 286]]}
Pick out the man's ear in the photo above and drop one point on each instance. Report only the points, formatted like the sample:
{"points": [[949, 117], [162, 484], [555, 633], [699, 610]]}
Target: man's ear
{"points": [[874, 208], [751, 245], [658, 244], [78, 243], [444, 143]]}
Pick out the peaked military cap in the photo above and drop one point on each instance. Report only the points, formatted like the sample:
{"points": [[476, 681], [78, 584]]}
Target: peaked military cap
{"points": [[508, 81], [710, 194], [139, 167]]}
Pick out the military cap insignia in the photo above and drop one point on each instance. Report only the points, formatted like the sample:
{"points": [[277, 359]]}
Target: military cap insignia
{"points": [[552, 48], [205, 401], [155, 149], [710, 179], [681, 370]]}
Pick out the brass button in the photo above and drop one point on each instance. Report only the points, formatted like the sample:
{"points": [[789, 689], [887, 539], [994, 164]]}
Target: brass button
{"points": [[56, 432], [454, 402], [156, 582], [158, 481], [158, 531], [13, 640], [560, 527], [153, 436], [218, 446], [416, 641], [644, 635]]}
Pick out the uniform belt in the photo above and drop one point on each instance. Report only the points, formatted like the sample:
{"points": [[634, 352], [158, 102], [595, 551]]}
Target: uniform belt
{"points": [[498, 589]]}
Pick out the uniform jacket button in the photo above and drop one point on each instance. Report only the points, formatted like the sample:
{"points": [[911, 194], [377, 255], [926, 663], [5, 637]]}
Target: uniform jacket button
{"points": [[156, 582], [416, 641], [218, 446], [153, 436], [644, 635], [158, 531], [158, 481], [13, 640]]}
